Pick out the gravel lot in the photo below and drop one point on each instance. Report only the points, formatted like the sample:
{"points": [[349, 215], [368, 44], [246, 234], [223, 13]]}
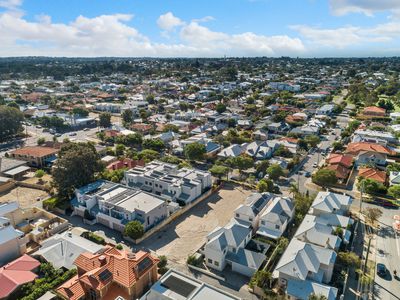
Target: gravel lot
{"points": [[187, 234], [25, 196]]}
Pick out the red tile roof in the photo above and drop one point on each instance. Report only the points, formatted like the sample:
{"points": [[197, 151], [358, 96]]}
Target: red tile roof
{"points": [[371, 173], [125, 163], [35, 151], [121, 265], [340, 171], [356, 148], [17, 273], [374, 109], [344, 160]]}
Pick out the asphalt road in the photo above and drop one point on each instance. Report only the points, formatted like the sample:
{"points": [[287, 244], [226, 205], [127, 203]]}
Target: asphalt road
{"points": [[388, 253]]}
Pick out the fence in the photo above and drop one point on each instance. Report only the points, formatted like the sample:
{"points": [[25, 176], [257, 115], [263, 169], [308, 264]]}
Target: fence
{"points": [[172, 217]]}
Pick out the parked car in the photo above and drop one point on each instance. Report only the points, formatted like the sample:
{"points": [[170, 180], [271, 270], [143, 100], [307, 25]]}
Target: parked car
{"points": [[72, 134], [307, 174], [381, 270], [315, 165]]}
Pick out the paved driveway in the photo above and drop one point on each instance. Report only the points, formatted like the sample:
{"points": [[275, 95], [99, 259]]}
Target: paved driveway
{"points": [[187, 234]]}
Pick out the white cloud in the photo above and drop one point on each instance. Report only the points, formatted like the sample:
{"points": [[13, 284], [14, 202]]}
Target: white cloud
{"points": [[168, 21], [367, 7], [10, 4], [111, 35], [343, 37]]}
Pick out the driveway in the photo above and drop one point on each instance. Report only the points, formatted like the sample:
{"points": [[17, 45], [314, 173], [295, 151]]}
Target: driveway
{"points": [[187, 234]]}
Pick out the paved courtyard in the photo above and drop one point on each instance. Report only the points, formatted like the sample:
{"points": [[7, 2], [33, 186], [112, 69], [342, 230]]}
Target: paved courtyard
{"points": [[187, 233]]}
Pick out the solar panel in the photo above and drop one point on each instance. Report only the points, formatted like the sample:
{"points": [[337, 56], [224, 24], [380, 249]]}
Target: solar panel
{"points": [[105, 275], [144, 264]]}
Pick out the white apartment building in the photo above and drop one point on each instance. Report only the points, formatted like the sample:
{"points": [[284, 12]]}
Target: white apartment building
{"points": [[166, 180]]}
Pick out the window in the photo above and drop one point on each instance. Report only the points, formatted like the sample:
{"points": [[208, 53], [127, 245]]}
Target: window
{"points": [[277, 226], [209, 261], [263, 222], [237, 215], [216, 263], [251, 219], [233, 249]]}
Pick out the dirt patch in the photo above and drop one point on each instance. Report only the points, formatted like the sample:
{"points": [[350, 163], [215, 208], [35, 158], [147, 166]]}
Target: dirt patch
{"points": [[187, 234], [26, 197]]}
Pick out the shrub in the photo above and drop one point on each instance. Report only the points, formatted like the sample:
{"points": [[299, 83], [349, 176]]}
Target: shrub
{"points": [[194, 261], [119, 247], [50, 203], [134, 230], [94, 238]]}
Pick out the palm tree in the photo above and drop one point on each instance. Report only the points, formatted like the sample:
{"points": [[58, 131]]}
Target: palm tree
{"points": [[293, 189]]}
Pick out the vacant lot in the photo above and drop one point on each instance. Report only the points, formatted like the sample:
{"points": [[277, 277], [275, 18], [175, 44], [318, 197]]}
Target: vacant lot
{"points": [[26, 197], [186, 234]]}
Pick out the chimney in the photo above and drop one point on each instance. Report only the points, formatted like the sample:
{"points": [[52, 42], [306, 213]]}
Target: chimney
{"points": [[102, 260]]}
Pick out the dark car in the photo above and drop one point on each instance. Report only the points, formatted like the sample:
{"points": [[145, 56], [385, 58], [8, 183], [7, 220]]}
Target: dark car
{"points": [[381, 270], [307, 174]]}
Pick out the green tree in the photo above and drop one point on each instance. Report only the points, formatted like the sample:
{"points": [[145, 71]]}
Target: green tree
{"points": [[219, 171], [162, 264], [10, 122], [119, 149], [265, 185], [39, 173], [75, 167], [41, 141], [261, 279], [313, 296], [148, 155], [371, 186], [154, 144], [394, 191], [194, 151], [80, 111], [134, 229], [13, 104], [105, 120], [348, 259], [324, 177], [220, 108], [275, 171], [127, 117], [133, 139], [312, 140]]}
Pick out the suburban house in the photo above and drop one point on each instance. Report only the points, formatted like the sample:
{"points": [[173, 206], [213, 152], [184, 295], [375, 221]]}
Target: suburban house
{"points": [[114, 205], [61, 250], [113, 274], [17, 273], [36, 156], [374, 111], [366, 153], [394, 178], [341, 164], [12, 241], [250, 211], [325, 110], [227, 245], [175, 285], [306, 262], [371, 173], [318, 234], [365, 135], [13, 168], [330, 203], [301, 290], [167, 180], [276, 217], [232, 151]]}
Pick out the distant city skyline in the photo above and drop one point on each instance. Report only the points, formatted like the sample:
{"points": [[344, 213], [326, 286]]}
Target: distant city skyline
{"points": [[200, 28]]}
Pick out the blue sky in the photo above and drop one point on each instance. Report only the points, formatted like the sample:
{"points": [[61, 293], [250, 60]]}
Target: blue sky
{"points": [[206, 28]]}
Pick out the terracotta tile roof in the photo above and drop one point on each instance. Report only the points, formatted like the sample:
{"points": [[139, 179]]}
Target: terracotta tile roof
{"points": [[374, 109], [17, 273], [112, 266], [356, 148], [371, 173], [35, 151], [72, 289], [344, 160], [340, 171]]}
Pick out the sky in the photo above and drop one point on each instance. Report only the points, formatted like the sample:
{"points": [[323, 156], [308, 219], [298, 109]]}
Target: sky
{"points": [[200, 28]]}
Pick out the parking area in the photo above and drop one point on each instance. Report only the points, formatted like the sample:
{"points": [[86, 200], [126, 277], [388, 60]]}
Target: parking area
{"points": [[186, 234]]}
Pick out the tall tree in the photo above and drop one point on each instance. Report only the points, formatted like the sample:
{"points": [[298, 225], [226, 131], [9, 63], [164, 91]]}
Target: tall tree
{"points": [[105, 120], [127, 117], [10, 122], [195, 151], [75, 167]]}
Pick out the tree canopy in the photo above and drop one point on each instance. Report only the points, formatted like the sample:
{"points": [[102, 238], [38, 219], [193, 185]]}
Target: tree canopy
{"points": [[11, 122], [324, 177], [134, 229], [75, 167], [105, 120], [194, 151]]}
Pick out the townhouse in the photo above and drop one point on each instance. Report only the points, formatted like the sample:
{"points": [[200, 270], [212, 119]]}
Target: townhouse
{"points": [[166, 180], [114, 205]]}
